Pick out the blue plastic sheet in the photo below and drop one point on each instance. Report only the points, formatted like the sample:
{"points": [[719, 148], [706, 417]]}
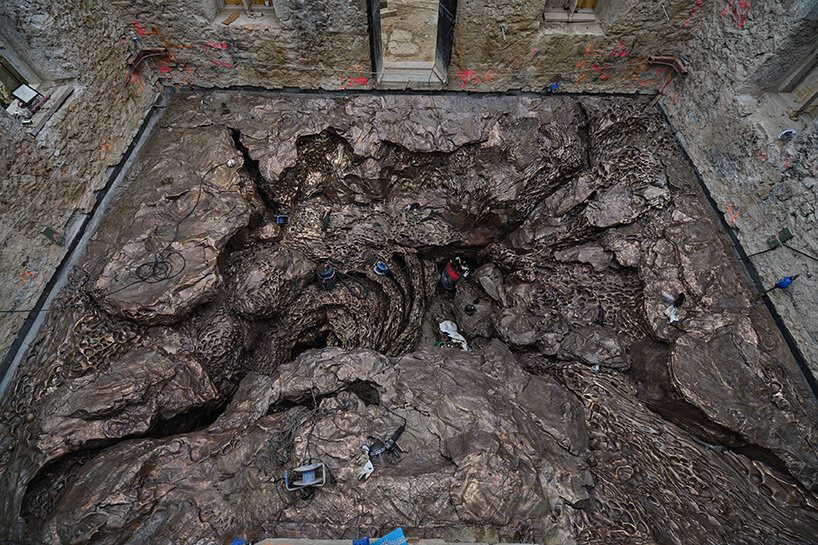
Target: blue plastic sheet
{"points": [[394, 537]]}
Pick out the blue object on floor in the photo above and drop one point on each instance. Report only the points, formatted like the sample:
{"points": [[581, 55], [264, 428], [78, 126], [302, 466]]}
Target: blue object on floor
{"points": [[239, 541], [326, 276], [364, 541], [394, 537], [380, 268]]}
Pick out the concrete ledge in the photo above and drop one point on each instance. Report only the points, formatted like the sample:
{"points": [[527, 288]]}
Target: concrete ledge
{"points": [[59, 95]]}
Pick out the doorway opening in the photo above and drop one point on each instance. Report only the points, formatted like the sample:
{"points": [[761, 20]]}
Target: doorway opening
{"points": [[411, 41]]}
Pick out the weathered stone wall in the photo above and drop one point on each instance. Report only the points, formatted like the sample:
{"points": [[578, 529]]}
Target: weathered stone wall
{"points": [[498, 46], [729, 116], [48, 180], [528, 53]]}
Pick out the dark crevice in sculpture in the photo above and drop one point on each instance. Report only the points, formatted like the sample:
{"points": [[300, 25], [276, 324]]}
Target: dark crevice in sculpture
{"points": [[584, 135], [470, 253], [251, 167], [365, 390], [310, 339], [653, 375], [190, 421], [45, 488]]}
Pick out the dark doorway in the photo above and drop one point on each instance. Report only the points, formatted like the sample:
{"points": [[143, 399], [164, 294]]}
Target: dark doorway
{"points": [[373, 14], [411, 41], [445, 37]]}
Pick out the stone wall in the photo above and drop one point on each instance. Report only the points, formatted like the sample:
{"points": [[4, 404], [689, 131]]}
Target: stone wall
{"points": [[528, 53], [729, 115], [48, 180], [721, 110]]}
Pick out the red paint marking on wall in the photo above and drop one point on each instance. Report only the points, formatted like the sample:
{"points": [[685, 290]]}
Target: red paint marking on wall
{"points": [[105, 147], [594, 51], [603, 66], [516, 64], [25, 276], [735, 9], [671, 90], [695, 9], [134, 78], [592, 67], [788, 162], [351, 81], [161, 64], [734, 216], [620, 50], [762, 154], [469, 79], [637, 77]]}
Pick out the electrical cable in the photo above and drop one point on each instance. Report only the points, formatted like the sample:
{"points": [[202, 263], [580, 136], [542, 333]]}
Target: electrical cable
{"points": [[393, 412], [285, 439], [160, 268], [758, 253], [360, 295], [800, 252], [342, 275]]}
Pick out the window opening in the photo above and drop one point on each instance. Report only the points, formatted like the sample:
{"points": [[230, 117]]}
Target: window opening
{"points": [[24, 97], [570, 11], [248, 13]]}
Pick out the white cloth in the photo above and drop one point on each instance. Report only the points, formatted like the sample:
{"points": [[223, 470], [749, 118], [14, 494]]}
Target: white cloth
{"points": [[672, 314], [450, 328]]}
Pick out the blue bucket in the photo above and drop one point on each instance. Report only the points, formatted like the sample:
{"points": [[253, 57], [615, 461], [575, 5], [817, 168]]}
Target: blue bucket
{"points": [[380, 268], [326, 276]]}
